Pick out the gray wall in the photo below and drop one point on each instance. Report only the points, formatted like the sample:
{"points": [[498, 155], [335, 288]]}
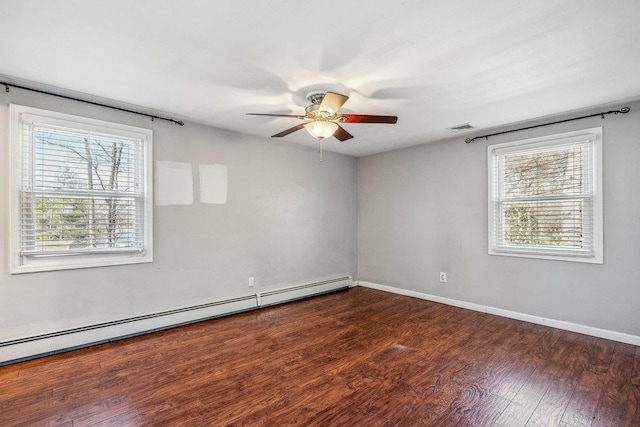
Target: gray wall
{"points": [[289, 219], [423, 210]]}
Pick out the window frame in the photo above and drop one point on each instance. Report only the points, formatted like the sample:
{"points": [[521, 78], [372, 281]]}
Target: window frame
{"points": [[594, 135], [20, 263]]}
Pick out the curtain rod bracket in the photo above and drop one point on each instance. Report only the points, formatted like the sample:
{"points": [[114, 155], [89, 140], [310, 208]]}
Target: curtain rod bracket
{"points": [[71, 98], [623, 110]]}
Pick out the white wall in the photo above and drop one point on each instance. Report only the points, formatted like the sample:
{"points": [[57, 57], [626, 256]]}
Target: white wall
{"points": [[423, 210], [289, 219]]}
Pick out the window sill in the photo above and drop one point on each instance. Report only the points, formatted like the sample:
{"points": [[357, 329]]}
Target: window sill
{"points": [[54, 263], [597, 259]]}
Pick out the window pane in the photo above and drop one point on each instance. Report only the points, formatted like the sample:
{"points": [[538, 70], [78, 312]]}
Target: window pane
{"points": [[546, 172], [558, 224], [97, 173], [84, 223], [64, 160]]}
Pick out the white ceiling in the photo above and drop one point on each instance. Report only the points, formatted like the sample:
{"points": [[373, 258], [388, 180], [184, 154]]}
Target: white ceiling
{"points": [[433, 63]]}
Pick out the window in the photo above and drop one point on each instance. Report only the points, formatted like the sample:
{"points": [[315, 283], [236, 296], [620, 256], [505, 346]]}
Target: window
{"points": [[545, 197], [82, 192]]}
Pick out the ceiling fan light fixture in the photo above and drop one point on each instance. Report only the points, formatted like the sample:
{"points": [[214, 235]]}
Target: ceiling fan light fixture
{"points": [[322, 119], [321, 129]]}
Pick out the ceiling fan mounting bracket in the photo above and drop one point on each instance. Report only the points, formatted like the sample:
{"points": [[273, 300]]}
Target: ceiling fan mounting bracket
{"points": [[315, 97]]}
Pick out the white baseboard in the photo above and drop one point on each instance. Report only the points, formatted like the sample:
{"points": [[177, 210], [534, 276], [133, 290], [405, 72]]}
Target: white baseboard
{"points": [[48, 343], [559, 324]]}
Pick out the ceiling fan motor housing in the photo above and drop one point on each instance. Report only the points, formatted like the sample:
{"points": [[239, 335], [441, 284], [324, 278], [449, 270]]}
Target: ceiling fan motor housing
{"points": [[315, 110]]}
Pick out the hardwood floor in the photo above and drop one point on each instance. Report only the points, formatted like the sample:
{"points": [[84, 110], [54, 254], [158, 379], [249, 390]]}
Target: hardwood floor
{"points": [[360, 357]]}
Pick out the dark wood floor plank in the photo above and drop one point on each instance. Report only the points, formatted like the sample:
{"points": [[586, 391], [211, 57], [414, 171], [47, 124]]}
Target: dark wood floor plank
{"points": [[120, 417], [611, 409], [550, 354], [571, 354], [525, 401], [30, 403], [516, 364], [633, 404], [478, 376], [484, 413], [361, 357], [475, 405], [582, 405]]}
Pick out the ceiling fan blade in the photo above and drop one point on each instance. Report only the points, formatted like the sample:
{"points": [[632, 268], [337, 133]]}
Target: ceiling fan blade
{"points": [[332, 102], [365, 118], [341, 134], [288, 131], [275, 115]]}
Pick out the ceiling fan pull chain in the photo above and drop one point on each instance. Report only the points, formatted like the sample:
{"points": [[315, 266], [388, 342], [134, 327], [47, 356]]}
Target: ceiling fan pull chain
{"points": [[320, 148]]}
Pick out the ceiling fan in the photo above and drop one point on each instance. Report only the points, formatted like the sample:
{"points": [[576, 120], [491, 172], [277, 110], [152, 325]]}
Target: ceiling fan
{"points": [[322, 119]]}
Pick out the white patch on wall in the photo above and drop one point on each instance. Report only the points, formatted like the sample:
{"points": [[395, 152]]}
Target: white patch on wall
{"points": [[173, 183], [213, 184]]}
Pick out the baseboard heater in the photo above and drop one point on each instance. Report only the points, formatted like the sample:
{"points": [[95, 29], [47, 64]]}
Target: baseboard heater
{"points": [[20, 349]]}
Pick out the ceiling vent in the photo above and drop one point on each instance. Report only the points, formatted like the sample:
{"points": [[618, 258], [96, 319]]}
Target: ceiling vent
{"points": [[461, 128]]}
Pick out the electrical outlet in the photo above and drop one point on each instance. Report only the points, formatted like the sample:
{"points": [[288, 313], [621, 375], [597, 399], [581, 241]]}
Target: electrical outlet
{"points": [[252, 281], [443, 277]]}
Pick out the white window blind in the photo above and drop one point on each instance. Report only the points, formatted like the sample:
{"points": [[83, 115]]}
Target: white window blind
{"points": [[545, 197], [83, 192]]}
